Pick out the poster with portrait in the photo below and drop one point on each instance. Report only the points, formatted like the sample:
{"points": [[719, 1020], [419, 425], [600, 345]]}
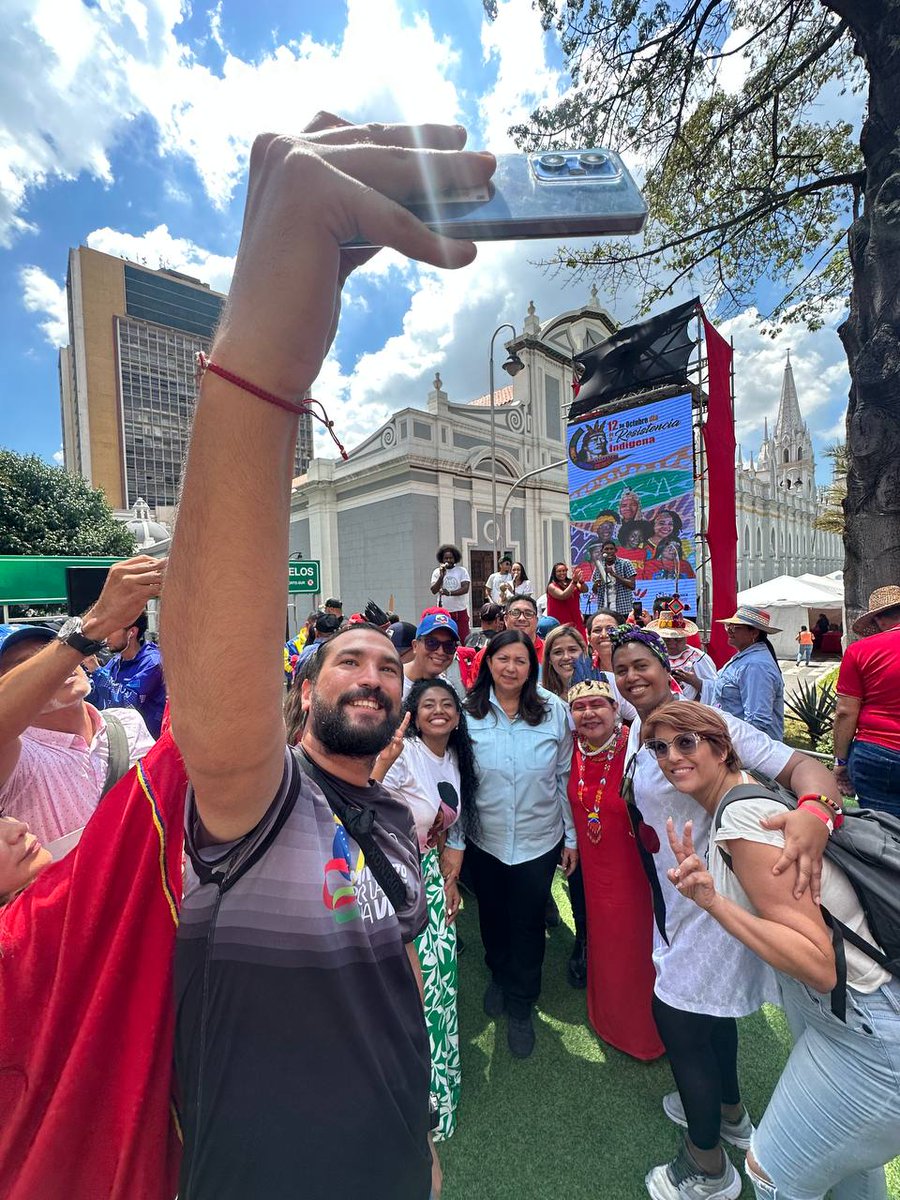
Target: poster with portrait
{"points": [[631, 481]]}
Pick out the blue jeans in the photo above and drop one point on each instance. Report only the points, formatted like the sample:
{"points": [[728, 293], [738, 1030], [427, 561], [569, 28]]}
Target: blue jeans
{"points": [[875, 775], [834, 1117], [804, 652]]}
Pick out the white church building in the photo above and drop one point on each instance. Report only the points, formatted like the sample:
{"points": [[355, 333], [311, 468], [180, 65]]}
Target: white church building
{"points": [[778, 500], [424, 478]]}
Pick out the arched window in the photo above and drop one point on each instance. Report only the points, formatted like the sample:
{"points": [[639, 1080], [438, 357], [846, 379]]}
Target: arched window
{"points": [[746, 539], [758, 541], [772, 541], [800, 454], [787, 454]]}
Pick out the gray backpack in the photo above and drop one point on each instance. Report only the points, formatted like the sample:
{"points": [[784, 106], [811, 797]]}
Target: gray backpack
{"points": [[867, 850]]}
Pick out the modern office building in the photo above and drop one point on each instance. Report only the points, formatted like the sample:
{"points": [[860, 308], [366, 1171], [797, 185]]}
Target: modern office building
{"points": [[126, 378]]}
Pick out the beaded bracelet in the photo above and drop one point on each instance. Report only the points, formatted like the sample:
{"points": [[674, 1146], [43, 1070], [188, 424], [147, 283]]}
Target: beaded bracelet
{"points": [[304, 406]]}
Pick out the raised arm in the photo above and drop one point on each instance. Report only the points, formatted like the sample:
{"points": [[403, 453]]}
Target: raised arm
{"points": [[306, 196], [27, 687]]}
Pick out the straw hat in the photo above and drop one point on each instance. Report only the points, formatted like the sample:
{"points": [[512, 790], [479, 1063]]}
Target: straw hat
{"points": [[756, 618], [880, 601], [685, 630]]}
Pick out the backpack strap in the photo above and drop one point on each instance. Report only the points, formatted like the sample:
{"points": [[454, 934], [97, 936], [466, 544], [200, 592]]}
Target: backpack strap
{"points": [[742, 791], [117, 745]]}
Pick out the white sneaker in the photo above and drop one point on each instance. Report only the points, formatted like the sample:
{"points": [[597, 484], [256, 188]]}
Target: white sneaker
{"points": [[682, 1179], [736, 1133]]}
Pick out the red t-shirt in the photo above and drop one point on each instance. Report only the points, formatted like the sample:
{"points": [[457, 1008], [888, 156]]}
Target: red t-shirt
{"points": [[870, 672]]}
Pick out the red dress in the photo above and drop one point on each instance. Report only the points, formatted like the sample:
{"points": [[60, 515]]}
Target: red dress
{"points": [[619, 910], [568, 611]]}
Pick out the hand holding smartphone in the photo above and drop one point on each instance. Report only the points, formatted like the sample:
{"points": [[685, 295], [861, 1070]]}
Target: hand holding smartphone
{"points": [[546, 194]]}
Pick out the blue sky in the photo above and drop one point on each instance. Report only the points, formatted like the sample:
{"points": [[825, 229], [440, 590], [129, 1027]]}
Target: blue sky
{"points": [[126, 125]]}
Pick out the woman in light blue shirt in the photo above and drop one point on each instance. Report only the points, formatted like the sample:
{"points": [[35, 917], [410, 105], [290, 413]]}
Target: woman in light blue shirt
{"points": [[750, 685], [523, 752]]}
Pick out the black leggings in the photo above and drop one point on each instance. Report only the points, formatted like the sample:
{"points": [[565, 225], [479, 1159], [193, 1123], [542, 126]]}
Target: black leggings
{"points": [[702, 1053]]}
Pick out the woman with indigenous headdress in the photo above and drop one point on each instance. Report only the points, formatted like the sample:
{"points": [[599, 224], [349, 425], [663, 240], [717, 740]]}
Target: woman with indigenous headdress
{"points": [[620, 972]]}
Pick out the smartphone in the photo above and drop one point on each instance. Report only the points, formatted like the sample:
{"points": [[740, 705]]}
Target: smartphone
{"points": [[546, 194], [637, 608]]}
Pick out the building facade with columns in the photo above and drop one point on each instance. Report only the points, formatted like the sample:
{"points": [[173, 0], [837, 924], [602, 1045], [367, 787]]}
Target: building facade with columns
{"points": [[425, 477], [778, 501]]}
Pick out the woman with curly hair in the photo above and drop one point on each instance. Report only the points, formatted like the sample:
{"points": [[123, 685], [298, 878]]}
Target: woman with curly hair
{"points": [[429, 764]]}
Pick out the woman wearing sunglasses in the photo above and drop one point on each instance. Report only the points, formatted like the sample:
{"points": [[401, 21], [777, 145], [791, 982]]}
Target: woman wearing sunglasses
{"points": [[619, 968], [523, 750], [694, 1013], [834, 1118], [430, 766]]}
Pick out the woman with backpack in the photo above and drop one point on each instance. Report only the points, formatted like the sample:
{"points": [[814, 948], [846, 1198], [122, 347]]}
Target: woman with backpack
{"points": [[834, 1118]]}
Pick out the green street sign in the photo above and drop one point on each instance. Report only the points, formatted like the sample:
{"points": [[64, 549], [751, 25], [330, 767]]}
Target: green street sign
{"points": [[303, 577], [38, 578]]}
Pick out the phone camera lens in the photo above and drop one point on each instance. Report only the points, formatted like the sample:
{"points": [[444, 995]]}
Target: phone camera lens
{"points": [[593, 161], [553, 162]]}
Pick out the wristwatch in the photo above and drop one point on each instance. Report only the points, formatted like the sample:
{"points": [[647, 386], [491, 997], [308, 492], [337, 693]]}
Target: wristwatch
{"points": [[71, 634]]}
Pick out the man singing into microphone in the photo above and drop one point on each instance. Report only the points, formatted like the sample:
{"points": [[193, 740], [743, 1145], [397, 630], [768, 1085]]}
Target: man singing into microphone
{"points": [[614, 581], [450, 583]]}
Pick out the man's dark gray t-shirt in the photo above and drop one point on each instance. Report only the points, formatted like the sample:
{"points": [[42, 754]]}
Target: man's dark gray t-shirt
{"points": [[314, 1055]]}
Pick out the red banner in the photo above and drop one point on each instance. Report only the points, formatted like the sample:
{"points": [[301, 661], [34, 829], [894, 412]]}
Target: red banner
{"points": [[718, 436]]}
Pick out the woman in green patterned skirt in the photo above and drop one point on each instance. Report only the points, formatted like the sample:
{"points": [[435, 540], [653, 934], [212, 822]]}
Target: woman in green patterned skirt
{"points": [[429, 764]]}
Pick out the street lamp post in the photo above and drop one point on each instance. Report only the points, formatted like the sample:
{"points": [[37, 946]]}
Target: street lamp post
{"points": [[512, 366]]}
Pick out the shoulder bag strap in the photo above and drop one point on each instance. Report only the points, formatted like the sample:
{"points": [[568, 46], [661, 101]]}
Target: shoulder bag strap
{"points": [[117, 746], [359, 823]]}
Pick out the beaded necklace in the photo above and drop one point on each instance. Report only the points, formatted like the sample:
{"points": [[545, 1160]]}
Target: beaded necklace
{"points": [[586, 751]]}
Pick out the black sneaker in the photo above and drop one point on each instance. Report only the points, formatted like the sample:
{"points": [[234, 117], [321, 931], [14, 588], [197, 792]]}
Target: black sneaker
{"points": [[494, 1002], [576, 968], [551, 914], [520, 1036]]}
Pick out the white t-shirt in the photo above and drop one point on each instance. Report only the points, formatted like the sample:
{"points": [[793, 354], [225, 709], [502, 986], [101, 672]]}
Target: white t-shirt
{"points": [[741, 820], [495, 582], [700, 664], [525, 588], [414, 779], [454, 577], [703, 969]]}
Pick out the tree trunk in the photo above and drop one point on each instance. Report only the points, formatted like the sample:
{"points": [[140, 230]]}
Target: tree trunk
{"points": [[871, 332]]}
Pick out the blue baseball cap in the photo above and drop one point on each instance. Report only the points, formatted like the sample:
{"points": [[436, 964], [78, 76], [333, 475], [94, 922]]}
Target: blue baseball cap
{"points": [[11, 635], [545, 624], [435, 621]]}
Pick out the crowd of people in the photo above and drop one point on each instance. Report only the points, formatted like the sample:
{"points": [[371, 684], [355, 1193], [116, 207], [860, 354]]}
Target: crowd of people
{"points": [[234, 903]]}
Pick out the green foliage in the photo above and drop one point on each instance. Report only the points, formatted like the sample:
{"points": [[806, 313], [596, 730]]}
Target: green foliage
{"points": [[814, 707], [829, 679], [831, 518], [45, 510], [720, 105]]}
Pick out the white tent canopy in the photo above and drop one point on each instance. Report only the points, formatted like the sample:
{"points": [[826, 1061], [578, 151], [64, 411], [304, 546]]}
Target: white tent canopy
{"points": [[793, 602]]}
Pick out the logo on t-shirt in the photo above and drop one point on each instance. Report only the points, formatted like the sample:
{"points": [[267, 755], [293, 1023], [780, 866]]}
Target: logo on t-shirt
{"points": [[338, 890], [350, 889]]}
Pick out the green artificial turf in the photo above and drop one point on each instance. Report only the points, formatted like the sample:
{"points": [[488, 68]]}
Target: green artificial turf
{"points": [[578, 1120]]}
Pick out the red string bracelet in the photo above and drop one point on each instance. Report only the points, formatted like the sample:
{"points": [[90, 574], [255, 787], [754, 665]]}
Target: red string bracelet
{"points": [[304, 406]]}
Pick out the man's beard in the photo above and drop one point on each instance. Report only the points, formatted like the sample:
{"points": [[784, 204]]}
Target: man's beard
{"points": [[331, 726]]}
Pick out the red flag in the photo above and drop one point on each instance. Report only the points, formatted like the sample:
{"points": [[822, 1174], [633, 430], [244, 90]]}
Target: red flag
{"points": [[87, 1035], [718, 437]]}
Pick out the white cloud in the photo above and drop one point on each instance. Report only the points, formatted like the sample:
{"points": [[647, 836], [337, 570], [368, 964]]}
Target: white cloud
{"points": [[65, 91], [820, 374], [160, 248], [72, 76], [58, 457], [43, 295], [525, 80]]}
